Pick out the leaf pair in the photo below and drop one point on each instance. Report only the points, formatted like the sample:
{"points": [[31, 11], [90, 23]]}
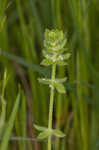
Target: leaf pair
{"points": [[57, 59], [57, 83], [45, 132], [47, 62]]}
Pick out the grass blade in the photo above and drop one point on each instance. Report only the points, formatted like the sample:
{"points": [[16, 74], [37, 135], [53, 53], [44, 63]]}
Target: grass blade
{"points": [[8, 130], [25, 63]]}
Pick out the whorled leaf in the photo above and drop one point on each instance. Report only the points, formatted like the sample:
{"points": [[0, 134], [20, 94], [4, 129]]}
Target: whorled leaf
{"points": [[57, 83], [47, 133], [55, 58]]}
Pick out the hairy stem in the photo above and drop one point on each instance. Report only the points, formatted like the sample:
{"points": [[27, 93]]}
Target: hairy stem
{"points": [[51, 105]]}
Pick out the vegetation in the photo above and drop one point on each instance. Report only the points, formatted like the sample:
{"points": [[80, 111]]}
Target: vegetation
{"points": [[24, 102]]}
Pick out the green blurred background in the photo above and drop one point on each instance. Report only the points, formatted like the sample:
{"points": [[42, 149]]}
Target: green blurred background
{"points": [[22, 26]]}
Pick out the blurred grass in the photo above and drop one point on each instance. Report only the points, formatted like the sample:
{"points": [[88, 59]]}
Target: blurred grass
{"points": [[22, 25]]}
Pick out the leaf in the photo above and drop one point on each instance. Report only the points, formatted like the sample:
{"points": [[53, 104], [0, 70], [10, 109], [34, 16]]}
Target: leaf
{"points": [[67, 56], [10, 125], [58, 133], [61, 80], [44, 81], [61, 63], [44, 135], [60, 87], [46, 54], [39, 128], [47, 62], [48, 133], [56, 83]]}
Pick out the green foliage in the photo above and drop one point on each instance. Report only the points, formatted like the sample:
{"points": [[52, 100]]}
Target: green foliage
{"points": [[60, 88], [39, 128], [54, 53], [46, 132], [76, 103], [58, 133], [57, 83], [54, 50], [7, 133]]}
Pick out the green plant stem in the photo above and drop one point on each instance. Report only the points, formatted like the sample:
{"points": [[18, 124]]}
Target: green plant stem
{"points": [[51, 105]]}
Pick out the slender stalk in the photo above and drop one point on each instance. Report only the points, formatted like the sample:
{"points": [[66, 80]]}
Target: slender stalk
{"points": [[51, 105]]}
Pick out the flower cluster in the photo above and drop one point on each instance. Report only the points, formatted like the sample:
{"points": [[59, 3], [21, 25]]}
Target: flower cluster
{"points": [[54, 48]]}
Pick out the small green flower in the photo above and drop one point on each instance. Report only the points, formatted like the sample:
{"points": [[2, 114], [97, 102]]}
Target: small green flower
{"points": [[54, 50], [54, 40]]}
